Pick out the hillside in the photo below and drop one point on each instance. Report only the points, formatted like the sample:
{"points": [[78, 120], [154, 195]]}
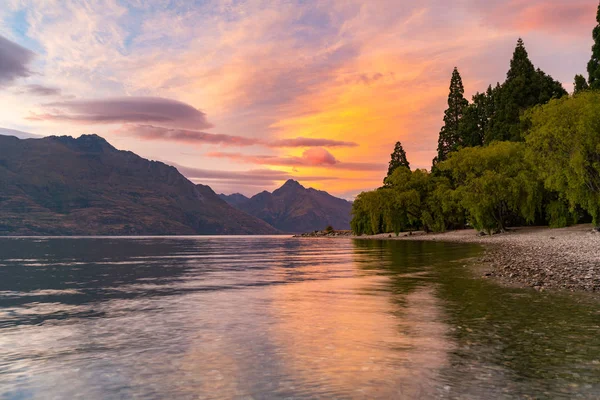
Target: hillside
{"points": [[294, 208], [84, 186]]}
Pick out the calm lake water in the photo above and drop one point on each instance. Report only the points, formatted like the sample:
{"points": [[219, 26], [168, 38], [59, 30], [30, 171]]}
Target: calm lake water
{"points": [[274, 317]]}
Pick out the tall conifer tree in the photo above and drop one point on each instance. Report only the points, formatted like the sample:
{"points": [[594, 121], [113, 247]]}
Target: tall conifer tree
{"points": [[593, 66], [398, 159], [524, 87], [450, 138], [580, 84]]}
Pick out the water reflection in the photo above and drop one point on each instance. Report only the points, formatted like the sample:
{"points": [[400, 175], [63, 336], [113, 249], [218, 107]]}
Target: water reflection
{"points": [[280, 318]]}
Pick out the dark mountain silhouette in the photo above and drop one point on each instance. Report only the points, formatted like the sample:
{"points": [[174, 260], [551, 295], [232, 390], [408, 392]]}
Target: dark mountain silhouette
{"points": [[66, 186], [293, 208]]}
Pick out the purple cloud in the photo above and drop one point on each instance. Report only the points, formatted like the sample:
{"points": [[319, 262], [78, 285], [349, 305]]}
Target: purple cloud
{"points": [[13, 61], [114, 110], [151, 132], [40, 90]]}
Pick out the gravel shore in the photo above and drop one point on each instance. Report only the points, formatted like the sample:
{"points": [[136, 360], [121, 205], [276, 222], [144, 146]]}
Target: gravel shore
{"points": [[542, 258]]}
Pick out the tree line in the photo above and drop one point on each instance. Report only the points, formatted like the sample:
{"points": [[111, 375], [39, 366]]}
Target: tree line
{"points": [[522, 152]]}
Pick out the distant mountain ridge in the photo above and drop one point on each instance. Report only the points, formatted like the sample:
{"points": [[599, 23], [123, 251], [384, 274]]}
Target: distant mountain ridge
{"points": [[18, 134], [84, 186], [235, 199], [295, 209]]}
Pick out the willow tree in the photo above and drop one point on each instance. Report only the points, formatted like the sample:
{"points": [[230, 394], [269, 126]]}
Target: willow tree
{"points": [[564, 143], [495, 183]]}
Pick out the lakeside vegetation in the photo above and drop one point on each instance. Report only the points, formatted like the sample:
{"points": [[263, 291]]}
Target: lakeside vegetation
{"points": [[524, 152]]}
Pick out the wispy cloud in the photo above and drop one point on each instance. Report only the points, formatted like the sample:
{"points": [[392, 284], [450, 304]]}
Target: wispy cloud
{"points": [[188, 136], [315, 157], [563, 17], [40, 90], [310, 142]]}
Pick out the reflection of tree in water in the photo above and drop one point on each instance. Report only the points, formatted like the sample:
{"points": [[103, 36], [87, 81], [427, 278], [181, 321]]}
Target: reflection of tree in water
{"points": [[423, 344], [509, 342], [535, 341], [408, 264]]}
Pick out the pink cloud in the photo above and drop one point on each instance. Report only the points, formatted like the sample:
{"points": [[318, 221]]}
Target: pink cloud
{"points": [[565, 17], [319, 156]]}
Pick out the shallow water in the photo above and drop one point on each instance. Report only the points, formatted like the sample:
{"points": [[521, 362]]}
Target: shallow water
{"points": [[274, 317]]}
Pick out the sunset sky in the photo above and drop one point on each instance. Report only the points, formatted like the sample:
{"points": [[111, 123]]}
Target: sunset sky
{"points": [[243, 95]]}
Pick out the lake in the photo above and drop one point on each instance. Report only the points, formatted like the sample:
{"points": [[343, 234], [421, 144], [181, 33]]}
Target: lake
{"points": [[277, 318]]}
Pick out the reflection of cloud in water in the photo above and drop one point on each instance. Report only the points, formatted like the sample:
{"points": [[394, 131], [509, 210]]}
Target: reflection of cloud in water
{"points": [[346, 335]]}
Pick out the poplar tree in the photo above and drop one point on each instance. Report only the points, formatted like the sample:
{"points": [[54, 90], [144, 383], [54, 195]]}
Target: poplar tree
{"points": [[593, 66], [450, 138], [398, 159]]}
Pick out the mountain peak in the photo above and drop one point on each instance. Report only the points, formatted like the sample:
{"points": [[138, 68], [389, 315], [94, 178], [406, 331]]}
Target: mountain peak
{"points": [[291, 183], [89, 143], [294, 208]]}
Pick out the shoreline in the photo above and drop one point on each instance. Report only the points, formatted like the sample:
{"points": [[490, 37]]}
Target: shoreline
{"points": [[537, 257]]}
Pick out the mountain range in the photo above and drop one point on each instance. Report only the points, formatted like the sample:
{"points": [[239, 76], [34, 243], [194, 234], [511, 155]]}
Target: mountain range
{"points": [[84, 186], [294, 208], [60, 185]]}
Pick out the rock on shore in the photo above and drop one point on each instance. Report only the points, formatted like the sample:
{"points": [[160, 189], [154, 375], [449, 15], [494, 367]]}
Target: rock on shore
{"points": [[325, 233]]}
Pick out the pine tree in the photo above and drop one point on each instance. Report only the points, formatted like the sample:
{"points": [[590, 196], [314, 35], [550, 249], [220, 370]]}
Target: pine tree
{"points": [[398, 159], [593, 66], [524, 87], [520, 65], [580, 84], [450, 138]]}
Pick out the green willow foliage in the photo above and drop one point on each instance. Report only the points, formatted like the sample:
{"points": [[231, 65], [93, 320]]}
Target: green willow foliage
{"points": [[485, 186], [409, 200], [494, 184], [564, 143]]}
